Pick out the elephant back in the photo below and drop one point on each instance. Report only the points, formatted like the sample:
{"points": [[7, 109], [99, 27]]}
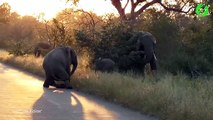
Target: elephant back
{"points": [[56, 56], [105, 65]]}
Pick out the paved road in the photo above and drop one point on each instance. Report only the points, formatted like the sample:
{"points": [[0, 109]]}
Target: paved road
{"points": [[22, 97]]}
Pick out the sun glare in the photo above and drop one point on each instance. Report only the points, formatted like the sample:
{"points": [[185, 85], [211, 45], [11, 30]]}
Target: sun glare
{"points": [[35, 7], [100, 7], [50, 8]]}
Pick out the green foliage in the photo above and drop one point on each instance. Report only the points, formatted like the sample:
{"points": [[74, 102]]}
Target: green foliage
{"points": [[166, 32], [112, 42], [194, 56], [171, 98], [58, 34], [191, 65], [183, 45], [83, 39], [20, 48]]}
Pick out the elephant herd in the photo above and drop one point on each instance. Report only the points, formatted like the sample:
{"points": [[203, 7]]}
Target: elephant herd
{"points": [[57, 62]]}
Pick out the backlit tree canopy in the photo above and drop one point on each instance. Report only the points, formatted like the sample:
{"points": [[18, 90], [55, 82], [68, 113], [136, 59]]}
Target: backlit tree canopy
{"points": [[131, 9], [4, 12]]}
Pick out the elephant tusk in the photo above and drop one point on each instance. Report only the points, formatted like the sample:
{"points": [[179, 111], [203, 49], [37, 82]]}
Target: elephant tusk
{"points": [[155, 57]]}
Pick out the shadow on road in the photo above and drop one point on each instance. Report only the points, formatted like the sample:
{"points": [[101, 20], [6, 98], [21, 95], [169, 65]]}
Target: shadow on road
{"points": [[3, 68], [57, 104], [23, 94]]}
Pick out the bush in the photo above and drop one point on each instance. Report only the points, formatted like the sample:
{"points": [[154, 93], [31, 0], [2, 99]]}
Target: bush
{"points": [[20, 48]]}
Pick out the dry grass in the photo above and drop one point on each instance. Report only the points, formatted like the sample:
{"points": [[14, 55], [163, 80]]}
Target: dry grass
{"points": [[171, 98], [27, 63]]}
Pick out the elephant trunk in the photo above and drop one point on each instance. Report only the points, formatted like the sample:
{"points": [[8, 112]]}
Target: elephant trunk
{"points": [[74, 68], [148, 54], [147, 44], [74, 62]]}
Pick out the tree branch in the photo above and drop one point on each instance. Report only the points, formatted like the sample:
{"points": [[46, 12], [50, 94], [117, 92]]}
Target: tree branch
{"points": [[143, 8], [132, 7], [183, 5], [117, 5], [126, 4], [139, 1], [89, 14], [134, 14], [174, 9]]}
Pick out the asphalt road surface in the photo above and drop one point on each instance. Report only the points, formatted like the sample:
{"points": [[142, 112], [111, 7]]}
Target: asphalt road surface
{"points": [[22, 97]]}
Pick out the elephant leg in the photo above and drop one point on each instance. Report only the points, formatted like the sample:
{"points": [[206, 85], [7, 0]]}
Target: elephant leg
{"points": [[143, 70], [63, 76], [153, 65], [49, 81], [46, 84], [38, 53]]}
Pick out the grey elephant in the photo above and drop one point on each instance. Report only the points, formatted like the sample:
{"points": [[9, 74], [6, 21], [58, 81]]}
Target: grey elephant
{"points": [[41, 47], [57, 64], [145, 49], [104, 65]]}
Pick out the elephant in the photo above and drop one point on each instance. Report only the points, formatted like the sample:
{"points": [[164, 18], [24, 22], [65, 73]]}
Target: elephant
{"points": [[57, 69], [41, 47], [132, 61], [104, 65], [145, 45]]}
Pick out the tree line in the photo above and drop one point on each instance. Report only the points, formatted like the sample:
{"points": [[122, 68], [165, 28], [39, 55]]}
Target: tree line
{"points": [[184, 41]]}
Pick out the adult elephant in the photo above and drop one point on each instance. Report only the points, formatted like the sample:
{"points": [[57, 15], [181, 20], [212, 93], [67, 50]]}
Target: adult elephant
{"points": [[57, 67], [41, 47], [145, 53], [104, 65]]}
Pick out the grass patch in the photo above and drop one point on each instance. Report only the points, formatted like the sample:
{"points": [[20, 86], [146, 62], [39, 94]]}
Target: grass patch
{"points": [[27, 63], [171, 98]]}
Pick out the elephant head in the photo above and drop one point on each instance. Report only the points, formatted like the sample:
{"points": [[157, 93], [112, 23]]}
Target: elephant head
{"points": [[41, 46], [146, 42]]}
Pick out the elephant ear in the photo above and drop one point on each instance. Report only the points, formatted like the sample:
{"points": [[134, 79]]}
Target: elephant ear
{"points": [[72, 59], [71, 56], [67, 52]]}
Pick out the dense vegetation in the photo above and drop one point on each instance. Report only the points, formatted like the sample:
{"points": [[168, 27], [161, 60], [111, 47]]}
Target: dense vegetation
{"points": [[184, 42], [184, 45]]}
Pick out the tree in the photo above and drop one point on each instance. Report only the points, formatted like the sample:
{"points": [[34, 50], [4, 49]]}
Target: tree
{"points": [[81, 23], [4, 12], [137, 7], [21, 35]]}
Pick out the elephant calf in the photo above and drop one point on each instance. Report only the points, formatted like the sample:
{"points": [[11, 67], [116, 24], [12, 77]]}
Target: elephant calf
{"points": [[57, 67], [104, 65]]}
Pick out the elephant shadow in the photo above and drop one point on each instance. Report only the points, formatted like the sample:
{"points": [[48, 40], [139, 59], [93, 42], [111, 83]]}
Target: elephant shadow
{"points": [[57, 104]]}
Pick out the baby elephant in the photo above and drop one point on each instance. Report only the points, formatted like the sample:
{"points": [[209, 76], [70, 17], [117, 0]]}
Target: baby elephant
{"points": [[104, 65]]}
